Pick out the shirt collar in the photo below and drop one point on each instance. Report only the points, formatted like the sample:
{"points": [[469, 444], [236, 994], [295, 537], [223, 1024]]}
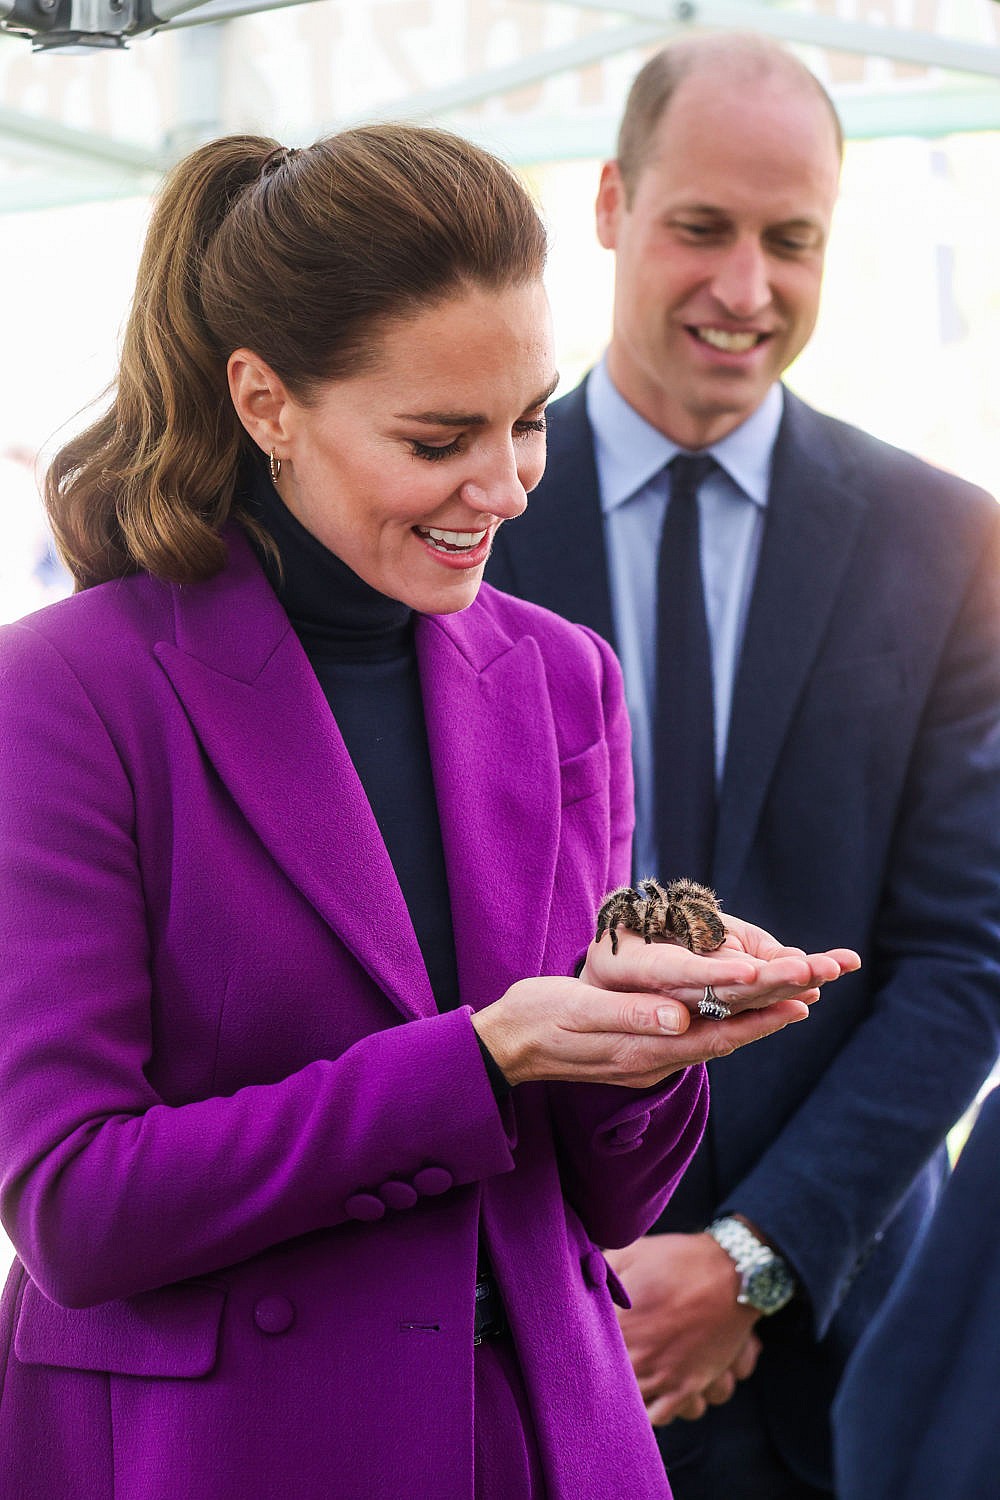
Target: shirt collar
{"points": [[630, 452]]}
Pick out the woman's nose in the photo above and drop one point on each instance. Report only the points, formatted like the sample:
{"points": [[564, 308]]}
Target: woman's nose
{"points": [[500, 488]]}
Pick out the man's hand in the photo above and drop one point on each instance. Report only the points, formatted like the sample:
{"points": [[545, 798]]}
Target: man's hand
{"points": [[688, 1338]]}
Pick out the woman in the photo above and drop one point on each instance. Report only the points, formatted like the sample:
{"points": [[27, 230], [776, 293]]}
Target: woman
{"points": [[305, 1165]]}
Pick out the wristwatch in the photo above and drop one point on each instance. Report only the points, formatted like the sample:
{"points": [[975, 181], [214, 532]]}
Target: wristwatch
{"points": [[767, 1283]]}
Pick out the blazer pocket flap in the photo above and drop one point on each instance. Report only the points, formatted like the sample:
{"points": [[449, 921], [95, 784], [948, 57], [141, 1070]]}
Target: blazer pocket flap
{"points": [[173, 1331], [584, 774]]}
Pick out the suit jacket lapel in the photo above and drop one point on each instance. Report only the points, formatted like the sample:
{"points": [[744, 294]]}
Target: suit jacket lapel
{"points": [[557, 548], [810, 532], [496, 770], [264, 723]]}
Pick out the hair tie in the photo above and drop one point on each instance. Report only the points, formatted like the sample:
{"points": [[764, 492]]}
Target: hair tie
{"points": [[276, 159]]}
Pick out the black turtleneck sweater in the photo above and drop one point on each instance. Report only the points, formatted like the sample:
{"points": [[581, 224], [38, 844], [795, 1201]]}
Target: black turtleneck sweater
{"points": [[361, 647]]}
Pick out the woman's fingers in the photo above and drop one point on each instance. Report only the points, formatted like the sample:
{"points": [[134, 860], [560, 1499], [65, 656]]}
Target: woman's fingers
{"points": [[664, 966], [741, 980], [846, 958], [658, 1037], [647, 1025]]}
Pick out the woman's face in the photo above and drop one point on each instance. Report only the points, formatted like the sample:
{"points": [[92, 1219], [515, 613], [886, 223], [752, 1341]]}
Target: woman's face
{"points": [[406, 470]]}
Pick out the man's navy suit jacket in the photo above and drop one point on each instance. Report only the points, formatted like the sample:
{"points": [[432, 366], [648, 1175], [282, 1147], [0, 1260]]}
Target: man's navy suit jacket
{"points": [[918, 1414], [860, 807]]}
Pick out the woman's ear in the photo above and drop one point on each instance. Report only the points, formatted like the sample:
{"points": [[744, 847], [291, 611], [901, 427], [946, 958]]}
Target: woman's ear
{"points": [[261, 400]]}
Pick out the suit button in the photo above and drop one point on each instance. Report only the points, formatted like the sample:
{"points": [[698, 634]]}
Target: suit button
{"points": [[595, 1269], [431, 1181], [274, 1314], [398, 1194], [366, 1207]]}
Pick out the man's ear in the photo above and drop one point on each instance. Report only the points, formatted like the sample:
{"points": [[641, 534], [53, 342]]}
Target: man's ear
{"points": [[261, 399], [610, 205]]}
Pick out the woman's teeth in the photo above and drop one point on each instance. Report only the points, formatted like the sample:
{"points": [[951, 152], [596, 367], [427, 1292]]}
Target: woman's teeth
{"points": [[452, 541]]}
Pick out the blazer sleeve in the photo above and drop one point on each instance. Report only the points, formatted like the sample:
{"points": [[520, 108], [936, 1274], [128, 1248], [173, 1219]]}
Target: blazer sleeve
{"points": [[624, 1150], [831, 1181], [106, 1188]]}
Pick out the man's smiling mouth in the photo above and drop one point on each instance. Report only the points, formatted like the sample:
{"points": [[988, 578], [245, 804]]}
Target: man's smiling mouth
{"points": [[728, 341]]}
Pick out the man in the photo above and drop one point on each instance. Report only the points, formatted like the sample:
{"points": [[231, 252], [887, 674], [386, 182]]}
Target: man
{"points": [[817, 734]]}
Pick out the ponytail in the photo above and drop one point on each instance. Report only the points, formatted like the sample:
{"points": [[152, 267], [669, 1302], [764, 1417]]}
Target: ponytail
{"points": [[150, 483]]}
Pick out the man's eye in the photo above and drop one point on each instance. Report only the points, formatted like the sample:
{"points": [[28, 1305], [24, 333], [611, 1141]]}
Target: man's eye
{"points": [[527, 427], [698, 231], [793, 244]]}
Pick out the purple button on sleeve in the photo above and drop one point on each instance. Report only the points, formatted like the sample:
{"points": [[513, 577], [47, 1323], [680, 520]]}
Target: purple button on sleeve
{"points": [[431, 1181], [398, 1195], [366, 1207]]}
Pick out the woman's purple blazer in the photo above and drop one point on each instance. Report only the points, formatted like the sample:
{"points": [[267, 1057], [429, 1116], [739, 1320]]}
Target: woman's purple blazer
{"points": [[243, 1159]]}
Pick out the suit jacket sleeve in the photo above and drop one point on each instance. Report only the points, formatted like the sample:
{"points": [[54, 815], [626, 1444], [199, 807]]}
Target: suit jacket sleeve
{"points": [[828, 1186]]}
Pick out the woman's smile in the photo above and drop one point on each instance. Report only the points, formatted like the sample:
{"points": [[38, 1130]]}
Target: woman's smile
{"points": [[461, 551], [452, 541]]}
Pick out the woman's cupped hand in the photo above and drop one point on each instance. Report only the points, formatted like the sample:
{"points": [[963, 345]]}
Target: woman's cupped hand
{"points": [[631, 1018]]}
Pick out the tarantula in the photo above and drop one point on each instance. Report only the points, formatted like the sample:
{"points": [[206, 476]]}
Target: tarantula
{"points": [[685, 911]]}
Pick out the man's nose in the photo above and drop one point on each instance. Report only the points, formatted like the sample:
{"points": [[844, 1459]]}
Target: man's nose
{"points": [[741, 282]]}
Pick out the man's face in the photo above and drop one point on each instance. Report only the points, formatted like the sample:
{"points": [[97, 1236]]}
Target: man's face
{"points": [[719, 257]]}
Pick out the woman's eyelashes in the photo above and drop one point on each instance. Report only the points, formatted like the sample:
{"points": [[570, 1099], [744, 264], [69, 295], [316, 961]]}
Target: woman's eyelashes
{"points": [[434, 452]]}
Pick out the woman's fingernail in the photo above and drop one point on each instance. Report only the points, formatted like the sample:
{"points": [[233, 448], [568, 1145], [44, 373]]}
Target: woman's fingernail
{"points": [[670, 1018]]}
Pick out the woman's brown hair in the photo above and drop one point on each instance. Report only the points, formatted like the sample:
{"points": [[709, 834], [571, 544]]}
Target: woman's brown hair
{"points": [[301, 256]]}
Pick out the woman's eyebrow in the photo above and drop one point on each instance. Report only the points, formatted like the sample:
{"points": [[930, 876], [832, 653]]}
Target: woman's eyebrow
{"points": [[467, 419], [443, 418]]}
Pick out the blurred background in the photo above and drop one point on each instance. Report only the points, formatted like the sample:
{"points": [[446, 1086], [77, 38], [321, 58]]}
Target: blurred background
{"points": [[98, 97]]}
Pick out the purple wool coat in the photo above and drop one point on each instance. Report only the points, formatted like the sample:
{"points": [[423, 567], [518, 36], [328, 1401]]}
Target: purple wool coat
{"points": [[243, 1159]]}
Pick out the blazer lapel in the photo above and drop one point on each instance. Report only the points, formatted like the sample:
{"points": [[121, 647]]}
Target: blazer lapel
{"points": [[496, 770], [811, 530], [264, 723]]}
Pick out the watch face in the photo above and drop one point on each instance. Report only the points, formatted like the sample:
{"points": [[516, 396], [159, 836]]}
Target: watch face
{"points": [[769, 1287]]}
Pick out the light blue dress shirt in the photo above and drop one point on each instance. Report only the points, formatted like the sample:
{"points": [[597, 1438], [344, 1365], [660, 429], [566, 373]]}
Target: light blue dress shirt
{"points": [[631, 456]]}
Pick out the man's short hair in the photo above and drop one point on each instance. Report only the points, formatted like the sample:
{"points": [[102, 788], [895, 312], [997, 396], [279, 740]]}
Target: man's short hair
{"points": [[751, 57]]}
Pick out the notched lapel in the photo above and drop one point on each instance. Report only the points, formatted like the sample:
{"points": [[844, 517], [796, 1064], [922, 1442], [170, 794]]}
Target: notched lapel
{"points": [[496, 770], [812, 526], [264, 723]]}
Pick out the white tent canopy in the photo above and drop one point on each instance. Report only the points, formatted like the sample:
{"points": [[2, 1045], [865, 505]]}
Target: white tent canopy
{"points": [[537, 80]]}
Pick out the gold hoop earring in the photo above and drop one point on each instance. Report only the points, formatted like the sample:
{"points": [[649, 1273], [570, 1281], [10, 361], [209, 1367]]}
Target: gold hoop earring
{"points": [[274, 464]]}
